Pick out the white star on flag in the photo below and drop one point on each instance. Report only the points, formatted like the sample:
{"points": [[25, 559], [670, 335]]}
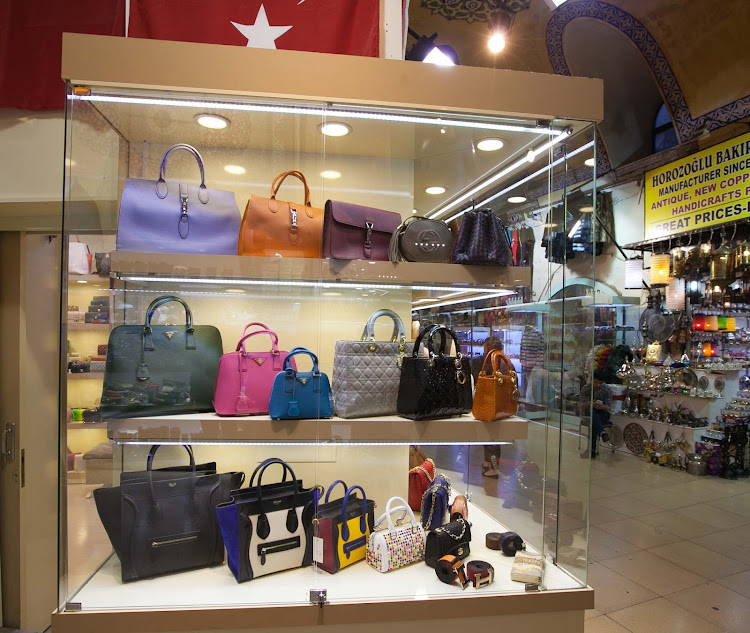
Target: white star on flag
{"points": [[261, 34]]}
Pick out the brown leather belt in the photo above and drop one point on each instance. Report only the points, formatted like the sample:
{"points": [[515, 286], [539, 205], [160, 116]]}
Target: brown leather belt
{"points": [[449, 568]]}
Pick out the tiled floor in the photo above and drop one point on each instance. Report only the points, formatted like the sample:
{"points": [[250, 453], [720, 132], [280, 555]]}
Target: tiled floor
{"points": [[669, 552]]}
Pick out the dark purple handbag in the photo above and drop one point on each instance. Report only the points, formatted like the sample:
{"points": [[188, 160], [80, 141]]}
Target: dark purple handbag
{"points": [[482, 239], [354, 232]]}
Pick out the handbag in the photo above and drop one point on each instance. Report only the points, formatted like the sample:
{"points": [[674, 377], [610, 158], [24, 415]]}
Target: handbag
{"points": [[351, 231], [267, 527], [438, 386], [160, 369], [366, 373], [79, 258], [496, 393], [344, 527], [395, 546], [434, 504], [453, 538], [482, 239], [420, 478], [166, 522], [103, 264], [170, 217], [244, 379], [300, 394], [421, 240], [271, 228]]}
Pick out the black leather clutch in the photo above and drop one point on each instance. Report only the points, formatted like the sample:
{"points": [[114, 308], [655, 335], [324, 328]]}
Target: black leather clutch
{"points": [[452, 538]]}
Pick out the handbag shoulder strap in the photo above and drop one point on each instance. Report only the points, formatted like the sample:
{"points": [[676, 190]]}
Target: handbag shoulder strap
{"points": [[161, 184], [332, 486]]}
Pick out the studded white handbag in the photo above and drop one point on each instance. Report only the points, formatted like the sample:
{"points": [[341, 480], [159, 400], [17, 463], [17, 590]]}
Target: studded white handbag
{"points": [[397, 545]]}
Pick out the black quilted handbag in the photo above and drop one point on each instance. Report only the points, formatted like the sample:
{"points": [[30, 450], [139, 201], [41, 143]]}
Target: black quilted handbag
{"points": [[453, 538], [482, 239], [436, 386]]}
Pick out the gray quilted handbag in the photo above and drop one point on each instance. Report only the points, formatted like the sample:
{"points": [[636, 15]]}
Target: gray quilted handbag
{"points": [[366, 373]]}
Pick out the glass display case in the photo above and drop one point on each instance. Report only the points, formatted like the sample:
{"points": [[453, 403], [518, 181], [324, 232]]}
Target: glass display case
{"points": [[163, 163]]}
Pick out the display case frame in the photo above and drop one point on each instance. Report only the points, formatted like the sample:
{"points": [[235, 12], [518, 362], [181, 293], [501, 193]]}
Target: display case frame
{"points": [[91, 61]]}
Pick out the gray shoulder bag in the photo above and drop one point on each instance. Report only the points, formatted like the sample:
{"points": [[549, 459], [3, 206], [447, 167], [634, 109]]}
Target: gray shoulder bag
{"points": [[366, 373]]}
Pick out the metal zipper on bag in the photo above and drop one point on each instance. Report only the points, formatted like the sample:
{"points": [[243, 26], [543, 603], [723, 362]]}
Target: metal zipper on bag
{"points": [[173, 541], [278, 546], [357, 543]]}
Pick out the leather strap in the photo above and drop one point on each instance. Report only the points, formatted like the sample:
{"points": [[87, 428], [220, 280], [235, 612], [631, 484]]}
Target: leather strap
{"points": [[479, 573], [448, 568], [161, 184], [262, 326], [492, 540], [332, 486], [276, 185], [362, 517]]}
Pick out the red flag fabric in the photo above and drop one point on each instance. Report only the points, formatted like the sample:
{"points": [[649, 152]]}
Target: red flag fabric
{"points": [[350, 27], [31, 45]]}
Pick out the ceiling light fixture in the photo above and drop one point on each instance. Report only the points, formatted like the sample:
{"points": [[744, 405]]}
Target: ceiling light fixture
{"points": [[435, 191], [516, 199], [212, 121], [500, 24], [335, 128], [496, 43], [237, 170], [490, 144], [330, 174], [318, 112], [530, 155], [425, 50], [590, 162], [588, 209]]}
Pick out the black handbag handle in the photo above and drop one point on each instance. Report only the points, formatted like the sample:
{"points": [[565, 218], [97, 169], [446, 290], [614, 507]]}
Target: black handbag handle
{"points": [[267, 462], [443, 331], [161, 184], [428, 330], [160, 301], [362, 518], [150, 463], [333, 485], [292, 522]]}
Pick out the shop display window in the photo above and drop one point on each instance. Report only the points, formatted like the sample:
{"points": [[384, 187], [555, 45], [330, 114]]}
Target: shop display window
{"points": [[163, 189]]}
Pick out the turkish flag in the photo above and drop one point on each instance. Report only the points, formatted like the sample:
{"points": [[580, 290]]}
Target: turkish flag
{"points": [[31, 45], [349, 27]]}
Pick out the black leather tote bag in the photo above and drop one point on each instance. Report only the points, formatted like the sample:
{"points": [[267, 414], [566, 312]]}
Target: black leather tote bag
{"points": [[482, 240], [160, 369], [164, 525], [436, 386]]}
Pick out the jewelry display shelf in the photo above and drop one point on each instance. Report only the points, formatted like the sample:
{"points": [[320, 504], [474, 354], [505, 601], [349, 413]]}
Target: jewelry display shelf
{"points": [[193, 595], [211, 428], [296, 270]]}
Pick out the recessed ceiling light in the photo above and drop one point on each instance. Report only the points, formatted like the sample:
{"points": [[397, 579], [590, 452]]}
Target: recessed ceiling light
{"points": [[331, 174], [82, 281], [335, 129], [435, 191], [516, 199], [413, 210], [590, 162], [490, 144], [586, 209], [237, 170], [212, 121], [496, 43], [530, 156], [69, 162]]}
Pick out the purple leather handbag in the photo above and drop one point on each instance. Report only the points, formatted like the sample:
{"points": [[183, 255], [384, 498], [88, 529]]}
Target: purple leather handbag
{"points": [[157, 216], [354, 232]]}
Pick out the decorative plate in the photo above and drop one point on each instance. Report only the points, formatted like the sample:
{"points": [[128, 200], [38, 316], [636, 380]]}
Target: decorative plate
{"points": [[719, 384], [635, 436], [703, 382], [687, 377]]}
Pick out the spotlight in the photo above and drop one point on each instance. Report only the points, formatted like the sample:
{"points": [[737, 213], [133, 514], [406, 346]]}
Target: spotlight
{"points": [[500, 25], [212, 121], [334, 128], [425, 50], [590, 162], [496, 42]]}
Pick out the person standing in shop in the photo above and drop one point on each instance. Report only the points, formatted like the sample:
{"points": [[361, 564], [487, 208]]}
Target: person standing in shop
{"points": [[600, 404], [491, 451]]}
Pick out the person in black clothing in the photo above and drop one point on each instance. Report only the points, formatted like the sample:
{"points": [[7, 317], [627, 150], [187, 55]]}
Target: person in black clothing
{"points": [[600, 405]]}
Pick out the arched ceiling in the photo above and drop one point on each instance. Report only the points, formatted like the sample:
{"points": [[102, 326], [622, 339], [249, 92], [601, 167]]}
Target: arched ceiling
{"points": [[704, 42]]}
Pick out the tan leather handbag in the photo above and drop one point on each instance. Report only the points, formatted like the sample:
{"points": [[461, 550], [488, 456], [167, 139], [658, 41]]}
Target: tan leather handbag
{"points": [[496, 394], [271, 228]]}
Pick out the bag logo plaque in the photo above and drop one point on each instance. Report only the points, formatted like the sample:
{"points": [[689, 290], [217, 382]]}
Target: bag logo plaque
{"points": [[260, 361], [169, 334]]}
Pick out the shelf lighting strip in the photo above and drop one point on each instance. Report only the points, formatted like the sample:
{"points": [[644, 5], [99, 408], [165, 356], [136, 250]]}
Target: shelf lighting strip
{"points": [[505, 172], [322, 112], [363, 285], [493, 295], [193, 442]]}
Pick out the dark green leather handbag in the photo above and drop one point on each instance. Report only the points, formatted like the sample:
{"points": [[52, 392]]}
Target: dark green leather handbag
{"points": [[160, 369]]}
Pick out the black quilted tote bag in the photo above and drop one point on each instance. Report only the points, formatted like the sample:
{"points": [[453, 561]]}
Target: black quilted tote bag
{"points": [[482, 240]]}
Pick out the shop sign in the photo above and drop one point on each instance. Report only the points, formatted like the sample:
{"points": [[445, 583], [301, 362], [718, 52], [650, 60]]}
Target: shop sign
{"points": [[705, 189]]}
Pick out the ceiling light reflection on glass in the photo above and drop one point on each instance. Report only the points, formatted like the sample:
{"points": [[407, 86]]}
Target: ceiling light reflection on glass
{"points": [[237, 170], [330, 174], [212, 121], [435, 191], [516, 199], [590, 162], [335, 128], [490, 144]]}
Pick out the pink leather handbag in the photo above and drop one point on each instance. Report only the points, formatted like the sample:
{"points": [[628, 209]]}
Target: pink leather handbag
{"points": [[244, 379]]}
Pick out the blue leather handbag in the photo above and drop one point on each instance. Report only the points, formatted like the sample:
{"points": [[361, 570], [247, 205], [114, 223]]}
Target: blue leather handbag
{"points": [[435, 503], [300, 394], [157, 216]]}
